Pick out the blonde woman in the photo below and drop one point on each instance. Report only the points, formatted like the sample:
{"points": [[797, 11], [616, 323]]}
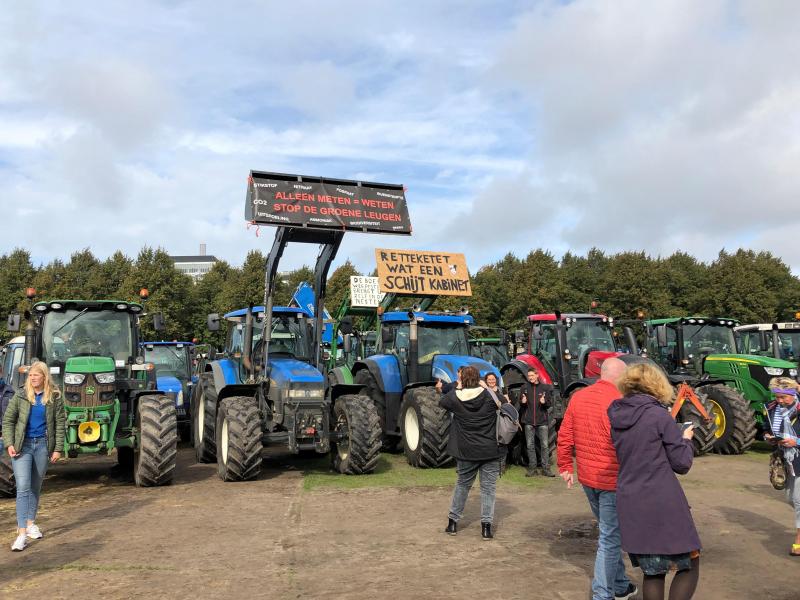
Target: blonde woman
{"points": [[654, 518], [33, 430], [785, 427]]}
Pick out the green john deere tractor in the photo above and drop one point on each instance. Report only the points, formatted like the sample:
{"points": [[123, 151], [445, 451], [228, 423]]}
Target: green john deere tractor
{"points": [[735, 384], [109, 392]]}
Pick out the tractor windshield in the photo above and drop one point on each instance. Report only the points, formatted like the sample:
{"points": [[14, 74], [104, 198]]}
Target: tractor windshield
{"points": [[290, 337], [493, 352], [442, 339], [708, 338], [85, 332], [589, 334], [169, 360]]}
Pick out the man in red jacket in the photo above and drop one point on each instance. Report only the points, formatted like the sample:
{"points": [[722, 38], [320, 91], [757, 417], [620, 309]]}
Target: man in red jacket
{"points": [[586, 431]]}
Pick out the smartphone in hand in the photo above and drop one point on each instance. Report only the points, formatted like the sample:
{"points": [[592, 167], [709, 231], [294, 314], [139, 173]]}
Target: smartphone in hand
{"points": [[685, 425]]}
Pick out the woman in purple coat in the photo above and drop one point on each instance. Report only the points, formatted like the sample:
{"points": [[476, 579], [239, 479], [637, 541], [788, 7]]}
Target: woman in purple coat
{"points": [[654, 518]]}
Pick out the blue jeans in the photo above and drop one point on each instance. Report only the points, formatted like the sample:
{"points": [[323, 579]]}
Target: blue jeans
{"points": [[467, 470], [609, 570], [29, 465]]}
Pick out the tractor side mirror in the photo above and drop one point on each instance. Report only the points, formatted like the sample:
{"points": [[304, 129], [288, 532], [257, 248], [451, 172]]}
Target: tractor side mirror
{"points": [[347, 343], [212, 322], [519, 336], [13, 322], [158, 322], [504, 337], [661, 336], [536, 332], [346, 326], [386, 336]]}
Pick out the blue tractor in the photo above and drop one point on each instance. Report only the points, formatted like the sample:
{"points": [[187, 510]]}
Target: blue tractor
{"points": [[415, 349], [173, 364], [11, 357]]}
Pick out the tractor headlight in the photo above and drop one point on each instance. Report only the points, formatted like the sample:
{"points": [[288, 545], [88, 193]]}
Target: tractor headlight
{"points": [[179, 399], [74, 378], [298, 394], [774, 371], [105, 377], [792, 372]]}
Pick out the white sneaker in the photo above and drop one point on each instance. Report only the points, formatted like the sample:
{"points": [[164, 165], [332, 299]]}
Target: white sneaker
{"points": [[19, 543], [34, 532]]}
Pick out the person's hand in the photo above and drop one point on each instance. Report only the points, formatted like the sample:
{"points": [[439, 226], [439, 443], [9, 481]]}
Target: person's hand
{"points": [[482, 383], [568, 478], [789, 442], [688, 433], [438, 385], [12, 452], [55, 456], [768, 437]]}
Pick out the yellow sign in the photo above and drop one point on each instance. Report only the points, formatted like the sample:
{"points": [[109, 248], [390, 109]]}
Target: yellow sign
{"points": [[423, 273]]}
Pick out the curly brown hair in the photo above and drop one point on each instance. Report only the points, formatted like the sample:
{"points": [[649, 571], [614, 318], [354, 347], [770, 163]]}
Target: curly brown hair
{"points": [[646, 378], [470, 378]]}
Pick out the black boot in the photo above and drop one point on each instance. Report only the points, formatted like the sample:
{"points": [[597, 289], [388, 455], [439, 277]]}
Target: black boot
{"points": [[547, 472], [531, 472], [452, 527], [486, 531]]}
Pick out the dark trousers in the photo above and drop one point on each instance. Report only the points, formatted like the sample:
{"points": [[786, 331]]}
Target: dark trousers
{"points": [[538, 453]]}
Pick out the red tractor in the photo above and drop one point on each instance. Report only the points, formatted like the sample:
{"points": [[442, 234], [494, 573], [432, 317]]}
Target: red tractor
{"points": [[568, 350]]}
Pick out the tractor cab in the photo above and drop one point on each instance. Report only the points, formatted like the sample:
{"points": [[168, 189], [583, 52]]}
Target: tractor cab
{"points": [[778, 340], [490, 344], [11, 356], [682, 345]]}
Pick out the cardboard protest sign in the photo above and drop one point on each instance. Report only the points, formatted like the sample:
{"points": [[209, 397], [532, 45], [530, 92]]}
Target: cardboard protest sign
{"points": [[322, 203], [365, 292], [423, 273]]}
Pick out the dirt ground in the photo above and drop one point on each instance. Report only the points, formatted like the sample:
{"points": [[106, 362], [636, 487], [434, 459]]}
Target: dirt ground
{"points": [[273, 538]]}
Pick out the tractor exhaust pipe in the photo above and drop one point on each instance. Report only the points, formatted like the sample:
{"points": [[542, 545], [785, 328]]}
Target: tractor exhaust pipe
{"points": [[247, 351], [413, 350], [630, 340]]}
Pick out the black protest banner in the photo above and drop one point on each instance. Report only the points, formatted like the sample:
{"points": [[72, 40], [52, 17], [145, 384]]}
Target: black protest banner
{"points": [[322, 203]]}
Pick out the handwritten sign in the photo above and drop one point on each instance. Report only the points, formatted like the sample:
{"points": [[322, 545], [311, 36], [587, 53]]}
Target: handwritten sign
{"points": [[365, 292], [423, 273]]}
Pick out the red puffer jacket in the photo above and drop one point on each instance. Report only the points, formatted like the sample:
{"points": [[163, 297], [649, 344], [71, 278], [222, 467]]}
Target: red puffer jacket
{"points": [[586, 429]]}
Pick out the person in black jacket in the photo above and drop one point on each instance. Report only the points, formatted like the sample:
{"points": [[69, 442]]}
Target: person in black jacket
{"points": [[473, 443], [536, 400]]}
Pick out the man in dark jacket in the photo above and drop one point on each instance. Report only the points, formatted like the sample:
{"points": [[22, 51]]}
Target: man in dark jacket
{"points": [[473, 443], [536, 399]]}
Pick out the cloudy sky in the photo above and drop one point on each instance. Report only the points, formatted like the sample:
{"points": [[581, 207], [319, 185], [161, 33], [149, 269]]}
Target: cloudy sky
{"points": [[514, 125]]}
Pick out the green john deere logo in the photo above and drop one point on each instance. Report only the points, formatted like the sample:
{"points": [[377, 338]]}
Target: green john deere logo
{"points": [[90, 390]]}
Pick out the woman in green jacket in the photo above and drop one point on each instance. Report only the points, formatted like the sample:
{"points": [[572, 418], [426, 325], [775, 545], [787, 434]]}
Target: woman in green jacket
{"points": [[33, 429]]}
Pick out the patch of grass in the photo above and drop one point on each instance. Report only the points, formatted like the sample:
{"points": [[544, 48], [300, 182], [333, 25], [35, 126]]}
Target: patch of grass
{"points": [[393, 471]]}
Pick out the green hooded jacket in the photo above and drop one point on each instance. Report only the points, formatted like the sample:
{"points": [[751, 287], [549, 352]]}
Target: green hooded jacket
{"points": [[15, 421]]}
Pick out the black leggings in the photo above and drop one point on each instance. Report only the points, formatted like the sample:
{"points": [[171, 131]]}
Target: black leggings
{"points": [[682, 587]]}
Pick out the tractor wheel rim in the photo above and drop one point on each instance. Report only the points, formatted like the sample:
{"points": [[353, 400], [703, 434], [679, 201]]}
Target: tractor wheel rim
{"points": [[719, 419], [343, 445], [224, 441], [411, 428], [201, 416]]}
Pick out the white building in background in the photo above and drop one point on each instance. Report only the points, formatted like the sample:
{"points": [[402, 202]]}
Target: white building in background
{"points": [[195, 266]]}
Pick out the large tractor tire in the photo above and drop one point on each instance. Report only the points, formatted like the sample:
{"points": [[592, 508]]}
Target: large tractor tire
{"points": [[364, 377], [157, 450], [356, 420], [8, 487], [735, 420], [239, 442], [703, 439], [204, 419], [426, 429]]}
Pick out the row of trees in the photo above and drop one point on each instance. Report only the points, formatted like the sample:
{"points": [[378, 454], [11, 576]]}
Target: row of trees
{"points": [[746, 285]]}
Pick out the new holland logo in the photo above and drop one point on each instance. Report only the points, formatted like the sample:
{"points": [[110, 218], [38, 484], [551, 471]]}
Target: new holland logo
{"points": [[90, 391]]}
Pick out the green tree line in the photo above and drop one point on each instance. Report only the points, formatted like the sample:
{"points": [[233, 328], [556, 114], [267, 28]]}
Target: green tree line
{"points": [[746, 285]]}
